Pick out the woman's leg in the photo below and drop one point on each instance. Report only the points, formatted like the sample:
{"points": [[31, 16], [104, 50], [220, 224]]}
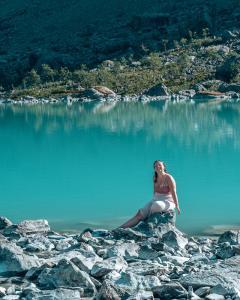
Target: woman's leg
{"points": [[133, 221]]}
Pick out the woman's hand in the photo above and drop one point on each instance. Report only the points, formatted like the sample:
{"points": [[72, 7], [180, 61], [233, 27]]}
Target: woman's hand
{"points": [[178, 210]]}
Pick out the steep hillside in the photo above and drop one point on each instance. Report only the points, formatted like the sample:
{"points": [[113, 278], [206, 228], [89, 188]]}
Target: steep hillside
{"points": [[74, 32]]}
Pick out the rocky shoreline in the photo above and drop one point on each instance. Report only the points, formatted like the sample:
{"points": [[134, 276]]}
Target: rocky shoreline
{"points": [[153, 260], [159, 92]]}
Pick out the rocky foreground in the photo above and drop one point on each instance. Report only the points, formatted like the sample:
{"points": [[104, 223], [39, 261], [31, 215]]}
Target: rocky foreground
{"points": [[153, 260]]}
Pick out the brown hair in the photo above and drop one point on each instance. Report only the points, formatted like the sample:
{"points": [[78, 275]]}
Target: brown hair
{"points": [[155, 173]]}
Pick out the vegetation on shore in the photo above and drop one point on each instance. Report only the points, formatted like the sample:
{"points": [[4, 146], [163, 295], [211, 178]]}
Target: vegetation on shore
{"points": [[192, 60]]}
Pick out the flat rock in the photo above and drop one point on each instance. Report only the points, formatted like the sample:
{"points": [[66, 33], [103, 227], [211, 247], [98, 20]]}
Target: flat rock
{"points": [[57, 294], [157, 90]]}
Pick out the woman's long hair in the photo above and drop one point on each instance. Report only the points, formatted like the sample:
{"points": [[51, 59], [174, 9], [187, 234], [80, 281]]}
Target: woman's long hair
{"points": [[155, 173]]}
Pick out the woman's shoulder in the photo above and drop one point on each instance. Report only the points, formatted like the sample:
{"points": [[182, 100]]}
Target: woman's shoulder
{"points": [[170, 177]]}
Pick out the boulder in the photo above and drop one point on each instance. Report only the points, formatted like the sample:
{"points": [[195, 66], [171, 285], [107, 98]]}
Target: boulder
{"points": [[14, 261], [34, 226], [174, 239], [157, 90], [86, 262], [126, 284], [208, 95], [225, 250], [65, 274], [56, 294], [169, 291], [226, 273], [4, 222], [104, 267], [231, 236], [229, 87]]}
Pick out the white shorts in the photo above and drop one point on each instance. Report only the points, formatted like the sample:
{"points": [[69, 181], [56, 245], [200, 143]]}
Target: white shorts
{"points": [[159, 203]]}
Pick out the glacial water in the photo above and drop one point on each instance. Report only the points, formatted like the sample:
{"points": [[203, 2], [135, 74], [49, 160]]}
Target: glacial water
{"points": [[91, 164]]}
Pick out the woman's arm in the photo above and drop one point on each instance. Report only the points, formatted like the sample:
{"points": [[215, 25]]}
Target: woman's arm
{"points": [[153, 184], [173, 191]]}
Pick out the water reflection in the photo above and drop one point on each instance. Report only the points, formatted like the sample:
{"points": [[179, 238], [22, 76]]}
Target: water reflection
{"points": [[203, 124]]}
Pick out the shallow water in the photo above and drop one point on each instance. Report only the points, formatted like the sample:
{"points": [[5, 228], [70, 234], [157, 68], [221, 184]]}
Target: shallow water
{"points": [[91, 164]]}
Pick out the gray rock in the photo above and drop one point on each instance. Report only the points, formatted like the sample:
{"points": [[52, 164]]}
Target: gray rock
{"points": [[158, 90], [187, 93], [34, 226], [126, 284], [86, 262], [4, 222], [127, 250], [65, 274], [203, 291], [127, 234], [174, 239], [225, 250], [14, 261], [145, 267], [142, 295], [231, 236], [220, 290], [57, 294], [226, 273], [176, 260], [106, 266], [108, 292], [214, 297], [2, 291], [169, 291], [39, 243]]}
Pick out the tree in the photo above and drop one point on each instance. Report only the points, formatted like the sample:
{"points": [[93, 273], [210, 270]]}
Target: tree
{"points": [[47, 73], [32, 78]]}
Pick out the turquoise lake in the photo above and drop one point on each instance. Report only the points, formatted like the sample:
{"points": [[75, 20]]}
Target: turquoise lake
{"points": [[92, 164]]}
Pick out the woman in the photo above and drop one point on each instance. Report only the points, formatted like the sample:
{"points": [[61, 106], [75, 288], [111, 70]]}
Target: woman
{"points": [[164, 198]]}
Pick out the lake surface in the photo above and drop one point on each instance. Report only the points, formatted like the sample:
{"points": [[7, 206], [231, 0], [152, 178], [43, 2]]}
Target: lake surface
{"points": [[92, 163]]}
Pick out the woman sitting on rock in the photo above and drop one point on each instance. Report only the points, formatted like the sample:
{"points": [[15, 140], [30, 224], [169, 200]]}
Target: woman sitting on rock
{"points": [[164, 198]]}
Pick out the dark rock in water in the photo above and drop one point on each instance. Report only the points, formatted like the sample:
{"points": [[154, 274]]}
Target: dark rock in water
{"points": [[66, 274], [170, 291], [158, 90], [232, 87], [4, 222], [14, 261], [231, 236]]}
